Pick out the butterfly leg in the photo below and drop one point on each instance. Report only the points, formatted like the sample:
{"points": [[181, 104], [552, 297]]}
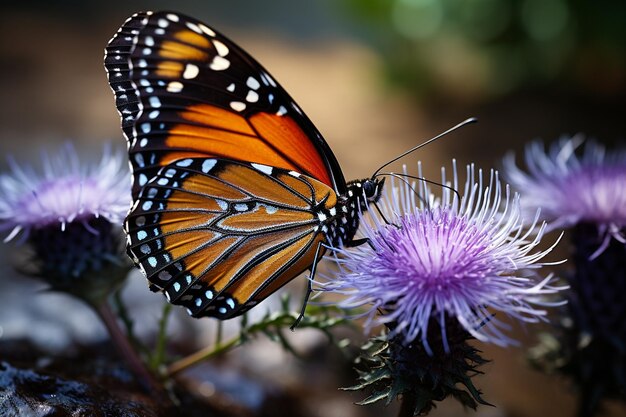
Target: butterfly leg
{"points": [[356, 242], [309, 288]]}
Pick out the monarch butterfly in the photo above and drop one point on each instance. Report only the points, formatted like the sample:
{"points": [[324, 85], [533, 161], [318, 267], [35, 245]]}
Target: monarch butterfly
{"points": [[235, 192]]}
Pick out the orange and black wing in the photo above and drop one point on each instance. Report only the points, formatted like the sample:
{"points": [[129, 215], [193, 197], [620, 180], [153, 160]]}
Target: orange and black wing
{"points": [[183, 90], [218, 236]]}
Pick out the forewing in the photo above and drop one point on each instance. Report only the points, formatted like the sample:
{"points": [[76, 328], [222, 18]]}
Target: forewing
{"points": [[183, 90]]}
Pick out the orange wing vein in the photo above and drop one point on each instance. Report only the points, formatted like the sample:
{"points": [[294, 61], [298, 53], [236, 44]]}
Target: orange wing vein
{"points": [[219, 236]]}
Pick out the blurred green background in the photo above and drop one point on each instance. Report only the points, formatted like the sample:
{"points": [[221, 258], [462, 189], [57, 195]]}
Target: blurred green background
{"points": [[376, 77]]}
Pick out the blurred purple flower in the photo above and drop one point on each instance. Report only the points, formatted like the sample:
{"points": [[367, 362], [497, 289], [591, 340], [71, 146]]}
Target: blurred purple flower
{"points": [[64, 192], [571, 190], [585, 191], [444, 259], [70, 215]]}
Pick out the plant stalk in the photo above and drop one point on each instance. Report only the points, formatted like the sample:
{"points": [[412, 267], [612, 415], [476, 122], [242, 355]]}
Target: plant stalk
{"points": [[126, 350], [201, 355]]}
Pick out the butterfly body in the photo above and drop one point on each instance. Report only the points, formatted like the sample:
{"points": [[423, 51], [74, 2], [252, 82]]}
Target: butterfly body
{"points": [[235, 191]]}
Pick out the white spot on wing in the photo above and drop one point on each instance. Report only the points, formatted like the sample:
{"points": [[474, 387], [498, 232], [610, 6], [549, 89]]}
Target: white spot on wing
{"points": [[163, 23], [219, 63], [263, 168], [221, 49], [155, 102], [252, 97], [184, 162], [141, 235], [294, 174], [223, 204], [208, 165], [175, 87], [238, 105], [253, 83], [172, 17], [206, 29], [194, 27], [231, 87], [281, 111], [269, 79], [191, 71]]}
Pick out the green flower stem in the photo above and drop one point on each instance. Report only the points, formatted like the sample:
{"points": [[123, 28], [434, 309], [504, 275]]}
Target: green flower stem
{"points": [[158, 356], [318, 317], [122, 313], [219, 332], [126, 349], [202, 355]]}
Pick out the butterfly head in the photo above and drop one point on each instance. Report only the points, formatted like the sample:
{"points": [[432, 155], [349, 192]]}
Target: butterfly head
{"points": [[372, 189], [365, 192]]}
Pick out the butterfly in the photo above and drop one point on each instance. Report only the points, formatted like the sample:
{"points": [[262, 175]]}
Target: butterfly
{"points": [[235, 192]]}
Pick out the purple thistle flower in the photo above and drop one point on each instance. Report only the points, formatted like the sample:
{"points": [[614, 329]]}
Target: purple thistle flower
{"points": [[462, 259], [70, 215], [571, 190], [63, 193], [586, 194]]}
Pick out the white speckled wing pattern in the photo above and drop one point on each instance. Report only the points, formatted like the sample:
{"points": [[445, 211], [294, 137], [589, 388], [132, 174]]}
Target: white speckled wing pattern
{"points": [[218, 236], [234, 188], [185, 90]]}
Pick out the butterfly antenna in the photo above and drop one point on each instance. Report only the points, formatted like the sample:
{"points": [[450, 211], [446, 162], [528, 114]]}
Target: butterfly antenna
{"points": [[403, 179], [438, 184], [402, 155]]}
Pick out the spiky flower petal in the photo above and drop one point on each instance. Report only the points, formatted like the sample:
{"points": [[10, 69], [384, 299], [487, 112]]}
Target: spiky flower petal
{"points": [[464, 258], [586, 194], [65, 191], [70, 215], [571, 189]]}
